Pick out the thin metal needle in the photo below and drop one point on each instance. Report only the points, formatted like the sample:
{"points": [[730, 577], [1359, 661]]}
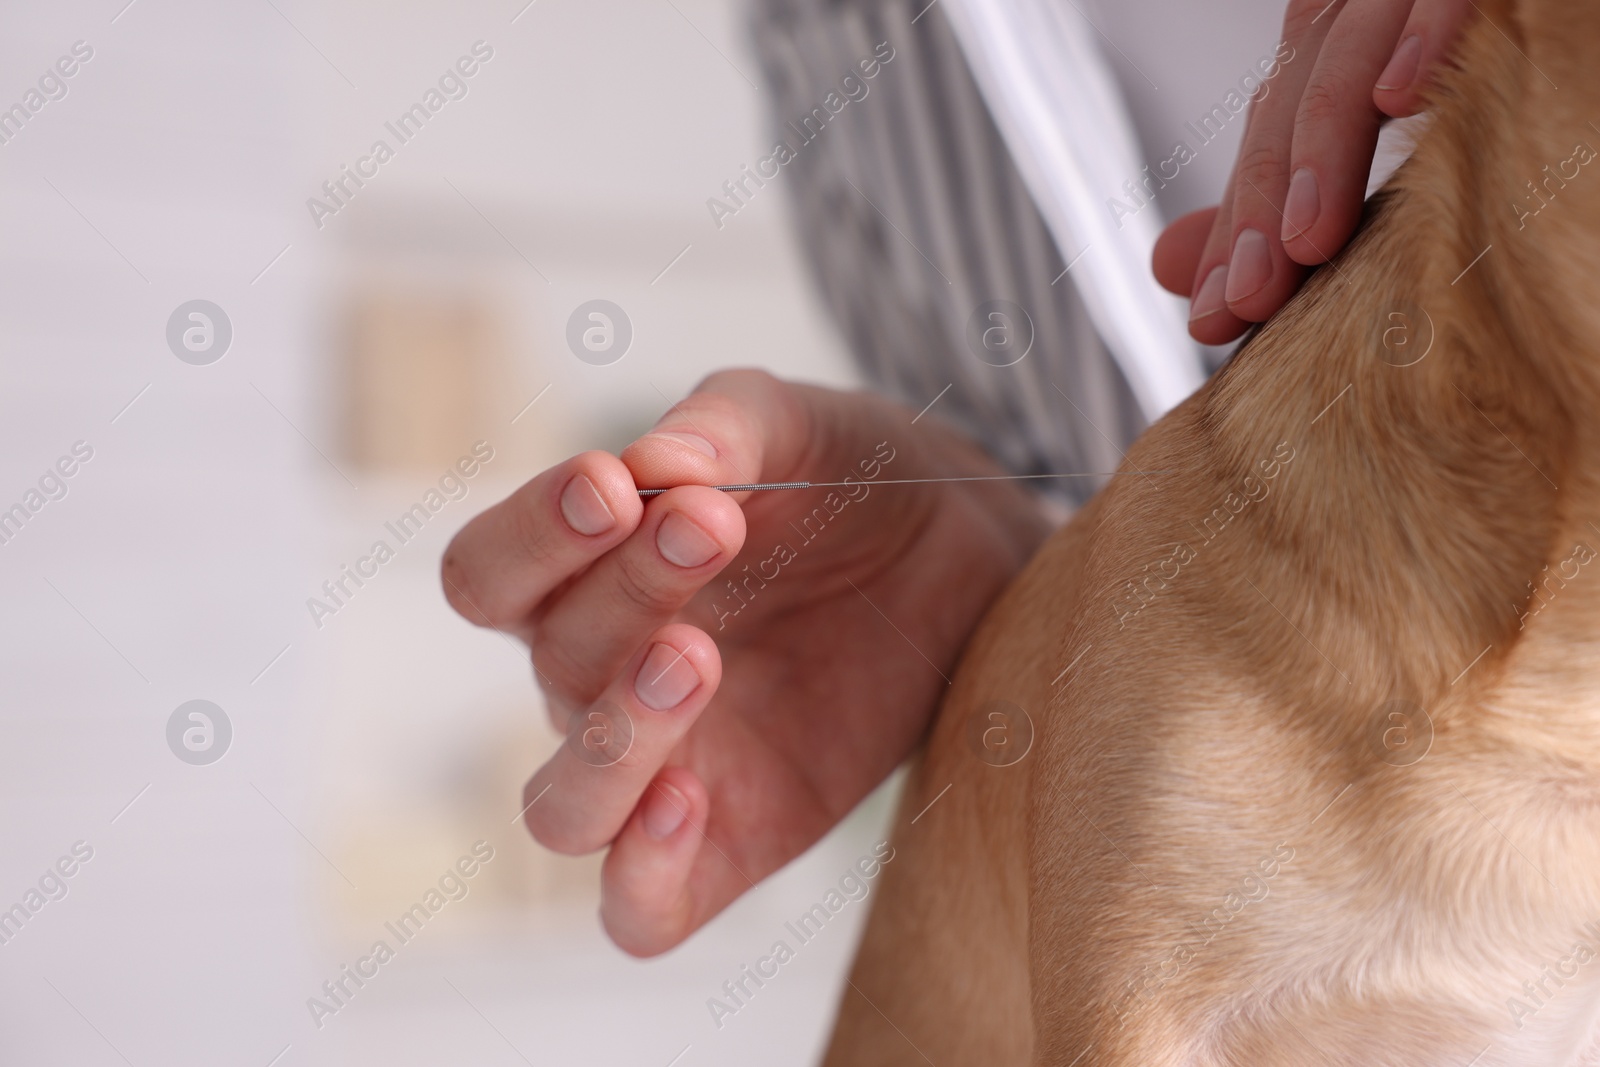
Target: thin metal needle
{"points": [[759, 486]]}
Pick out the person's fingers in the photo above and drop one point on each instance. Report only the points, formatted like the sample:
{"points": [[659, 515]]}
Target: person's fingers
{"points": [[581, 797], [507, 559], [1335, 132], [687, 536], [1426, 39], [1261, 276], [1177, 252], [1300, 180], [646, 903], [1237, 263], [737, 426], [1210, 321]]}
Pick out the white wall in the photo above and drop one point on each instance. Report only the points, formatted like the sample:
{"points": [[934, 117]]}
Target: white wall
{"points": [[377, 748]]}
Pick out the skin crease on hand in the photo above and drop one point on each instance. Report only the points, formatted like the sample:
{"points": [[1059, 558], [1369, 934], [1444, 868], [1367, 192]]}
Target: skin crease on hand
{"points": [[758, 721], [1297, 188]]}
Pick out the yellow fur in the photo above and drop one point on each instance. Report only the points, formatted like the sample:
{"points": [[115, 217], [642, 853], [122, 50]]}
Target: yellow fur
{"points": [[1108, 900]]}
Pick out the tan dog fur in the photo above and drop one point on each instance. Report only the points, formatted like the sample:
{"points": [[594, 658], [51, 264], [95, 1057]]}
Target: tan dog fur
{"points": [[1083, 906]]}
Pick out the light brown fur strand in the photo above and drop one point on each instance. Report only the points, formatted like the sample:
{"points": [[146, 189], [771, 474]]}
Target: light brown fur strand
{"points": [[1084, 906]]}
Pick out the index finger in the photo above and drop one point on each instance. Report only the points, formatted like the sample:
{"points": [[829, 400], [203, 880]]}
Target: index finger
{"points": [[503, 563]]}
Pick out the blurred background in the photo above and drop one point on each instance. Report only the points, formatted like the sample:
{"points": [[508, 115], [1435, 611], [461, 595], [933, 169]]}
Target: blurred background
{"points": [[251, 374]]}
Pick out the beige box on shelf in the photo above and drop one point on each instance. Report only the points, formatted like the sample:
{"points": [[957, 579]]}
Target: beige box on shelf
{"points": [[420, 368]]}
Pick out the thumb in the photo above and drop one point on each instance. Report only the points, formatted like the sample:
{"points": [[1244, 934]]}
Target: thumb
{"points": [[737, 427]]}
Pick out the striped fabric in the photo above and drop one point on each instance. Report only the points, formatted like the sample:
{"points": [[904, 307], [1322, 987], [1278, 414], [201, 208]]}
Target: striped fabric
{"points": [[1055, 100], [915, 218]]}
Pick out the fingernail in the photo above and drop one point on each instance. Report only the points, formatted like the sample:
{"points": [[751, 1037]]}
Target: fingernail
{"points": [[664, 811], [665, 679], [683, 543], [1251, 266], [694, 441], [1211, 297], [583, 508], [1303, 205], [1402, 68]]}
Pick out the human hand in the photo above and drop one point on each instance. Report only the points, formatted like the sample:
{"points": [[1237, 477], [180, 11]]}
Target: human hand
{"points": [[759, 718], [1298, 185]]}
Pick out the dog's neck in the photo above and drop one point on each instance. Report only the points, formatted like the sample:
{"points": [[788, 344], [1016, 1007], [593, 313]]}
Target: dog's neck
{"points": [[1516, 179], [1448, 488]]}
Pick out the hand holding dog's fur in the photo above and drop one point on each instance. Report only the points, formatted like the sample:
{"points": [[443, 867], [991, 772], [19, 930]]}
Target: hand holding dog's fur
{"points": [[1317, 776], [1295, 194]]}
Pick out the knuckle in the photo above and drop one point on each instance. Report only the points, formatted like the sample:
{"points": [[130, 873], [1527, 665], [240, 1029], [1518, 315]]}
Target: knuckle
{"points": [[645, 589], [530, 530], [1323, 101], [1301, 15], [569, 682], [1261, 165]]}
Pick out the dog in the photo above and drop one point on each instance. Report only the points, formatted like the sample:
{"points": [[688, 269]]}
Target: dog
{"points": [[1290, 753]]}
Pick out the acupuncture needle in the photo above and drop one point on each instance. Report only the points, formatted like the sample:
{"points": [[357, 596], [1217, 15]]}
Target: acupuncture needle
{"points": [[764, 486]]}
